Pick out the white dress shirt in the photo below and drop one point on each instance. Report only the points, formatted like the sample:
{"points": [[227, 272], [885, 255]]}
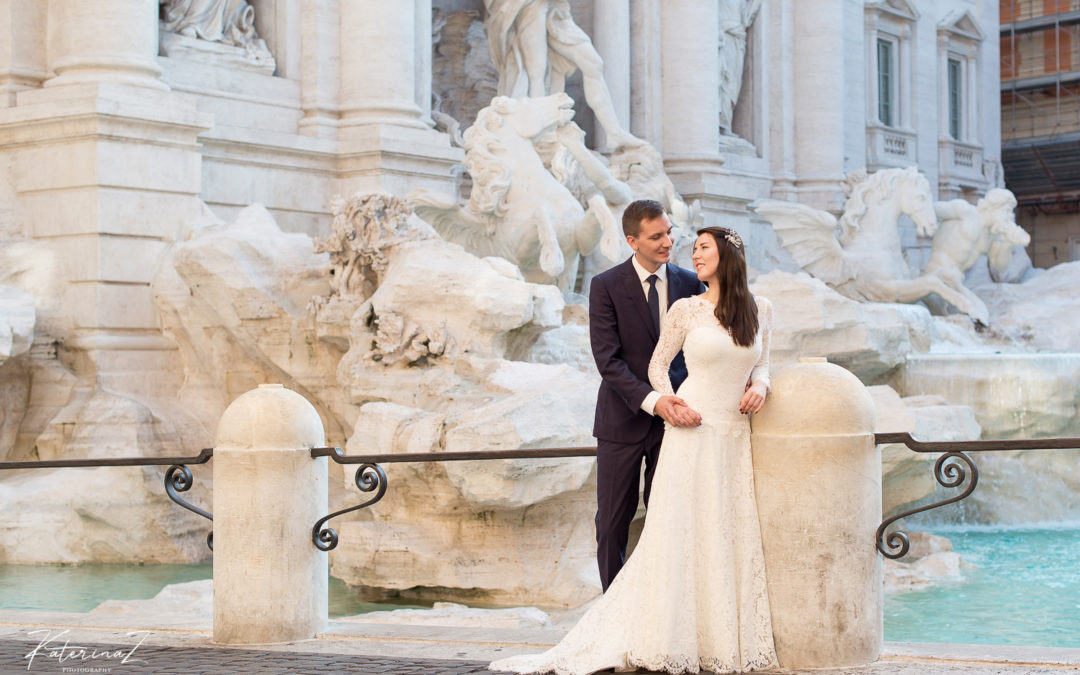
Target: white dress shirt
{"points": [[649, 404]]}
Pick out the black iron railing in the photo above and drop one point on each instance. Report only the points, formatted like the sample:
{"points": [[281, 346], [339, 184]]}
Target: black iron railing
{"points": [[370, 477], [953, 469]]}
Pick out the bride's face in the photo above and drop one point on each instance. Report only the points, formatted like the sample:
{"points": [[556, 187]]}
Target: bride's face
{"points": [[706, 257]]}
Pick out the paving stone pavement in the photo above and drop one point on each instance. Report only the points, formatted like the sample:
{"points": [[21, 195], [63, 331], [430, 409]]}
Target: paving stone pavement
{"points": [[15, 658]]}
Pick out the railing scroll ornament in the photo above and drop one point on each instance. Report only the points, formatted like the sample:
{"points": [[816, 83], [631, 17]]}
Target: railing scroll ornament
{"points": [[952, 470], [370, 477], [179, 479]]}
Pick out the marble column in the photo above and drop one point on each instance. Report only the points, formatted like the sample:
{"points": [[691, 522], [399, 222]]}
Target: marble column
{"points": [[724, 182], [611, 28], [691, 76], [22, 51], [646, 83], [319, 68], [378, 46], [818, 104], [104, 41], [386, 137], [781, 128]]}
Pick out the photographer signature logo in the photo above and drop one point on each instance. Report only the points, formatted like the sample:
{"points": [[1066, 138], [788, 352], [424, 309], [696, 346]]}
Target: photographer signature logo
{"points": [[50, 647]]}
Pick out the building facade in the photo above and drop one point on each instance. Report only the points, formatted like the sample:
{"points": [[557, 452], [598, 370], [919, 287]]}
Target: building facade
{"points": [[1040, 113]]}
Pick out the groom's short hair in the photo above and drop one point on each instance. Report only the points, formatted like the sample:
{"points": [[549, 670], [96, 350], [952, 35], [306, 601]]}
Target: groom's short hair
{"points": [[638, 212]]}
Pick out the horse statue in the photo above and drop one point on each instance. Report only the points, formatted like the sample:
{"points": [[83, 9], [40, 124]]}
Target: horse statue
{"points": [[641, 168], [863, 260], [517, 209]]}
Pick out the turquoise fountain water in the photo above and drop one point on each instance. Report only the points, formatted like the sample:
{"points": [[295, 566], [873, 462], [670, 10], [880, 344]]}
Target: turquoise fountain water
{"points": [[1024, 591], [80, 588]]}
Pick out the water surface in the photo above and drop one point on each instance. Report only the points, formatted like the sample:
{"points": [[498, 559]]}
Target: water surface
{"points": [[82, 587], [1025, 591]]}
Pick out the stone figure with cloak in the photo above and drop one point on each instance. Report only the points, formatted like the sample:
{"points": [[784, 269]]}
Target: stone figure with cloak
{"points": [[736, 17], [226, 22], [535, 45]]}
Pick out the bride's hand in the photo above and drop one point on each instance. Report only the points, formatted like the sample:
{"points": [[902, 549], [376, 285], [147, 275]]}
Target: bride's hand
{"points": [[753, 400], [675, 412]]}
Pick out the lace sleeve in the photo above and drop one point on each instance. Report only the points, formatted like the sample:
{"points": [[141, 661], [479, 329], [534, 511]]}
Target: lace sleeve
{"points": [[672, 334], [759, 376]]}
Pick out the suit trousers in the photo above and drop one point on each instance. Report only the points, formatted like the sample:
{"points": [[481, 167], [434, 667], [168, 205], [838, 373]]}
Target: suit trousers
{"points": [[618, 473]]}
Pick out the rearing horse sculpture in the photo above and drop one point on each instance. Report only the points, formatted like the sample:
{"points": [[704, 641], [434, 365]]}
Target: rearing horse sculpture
{"points": [[864, 261], [517, 209]]}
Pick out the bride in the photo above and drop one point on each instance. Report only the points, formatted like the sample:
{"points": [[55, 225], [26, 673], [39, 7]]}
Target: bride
{"points": [[692, 596]]}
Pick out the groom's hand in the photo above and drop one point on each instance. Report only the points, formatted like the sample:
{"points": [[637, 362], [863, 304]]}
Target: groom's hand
{"points": [[675, 412]]}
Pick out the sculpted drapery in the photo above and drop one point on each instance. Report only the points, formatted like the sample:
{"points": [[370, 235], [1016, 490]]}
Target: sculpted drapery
{"points": [[535, 45], [228, 21], [736, 17]]}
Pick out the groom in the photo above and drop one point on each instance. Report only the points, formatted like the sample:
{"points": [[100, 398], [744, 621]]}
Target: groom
{"points": [[626, 306]]}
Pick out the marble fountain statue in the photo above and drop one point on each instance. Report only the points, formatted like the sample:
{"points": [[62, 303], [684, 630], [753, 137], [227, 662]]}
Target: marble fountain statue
{"points": [[429, 322]]}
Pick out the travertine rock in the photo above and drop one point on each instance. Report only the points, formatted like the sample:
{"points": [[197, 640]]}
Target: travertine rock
{"points": [[1013, 395], [14, 400], [944, 566], [566, 345], [427, 326], [923, 544], [543, 554], [97, 424], [1037, 313], [869, 339], [234, 299], [115, 514], [461, 528], [16, 321], [549, 406], [454, 614], [190, 603]]}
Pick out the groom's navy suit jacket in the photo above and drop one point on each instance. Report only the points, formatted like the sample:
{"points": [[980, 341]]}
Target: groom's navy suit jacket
{"points": [[623, 339]]}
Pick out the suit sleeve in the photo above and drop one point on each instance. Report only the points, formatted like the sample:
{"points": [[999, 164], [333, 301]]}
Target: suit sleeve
{"points": [[607, 347]]}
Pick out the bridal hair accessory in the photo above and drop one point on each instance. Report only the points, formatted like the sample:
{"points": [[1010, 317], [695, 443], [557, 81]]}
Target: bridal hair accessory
{"points": [[733, 237]]}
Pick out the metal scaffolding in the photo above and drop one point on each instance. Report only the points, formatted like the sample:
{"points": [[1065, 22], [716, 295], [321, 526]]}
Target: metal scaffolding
{"points": [[1040, 103]]}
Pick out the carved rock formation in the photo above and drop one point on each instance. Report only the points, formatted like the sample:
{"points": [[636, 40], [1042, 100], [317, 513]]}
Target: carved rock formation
{"points": [[869, 339]]}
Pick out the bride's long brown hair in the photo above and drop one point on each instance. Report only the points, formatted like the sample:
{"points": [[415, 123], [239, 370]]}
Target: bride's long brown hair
{"points": [[736, 309]]}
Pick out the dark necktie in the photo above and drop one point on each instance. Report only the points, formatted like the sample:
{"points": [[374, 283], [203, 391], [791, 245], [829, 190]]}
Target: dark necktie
{"points": [[654, 302]]}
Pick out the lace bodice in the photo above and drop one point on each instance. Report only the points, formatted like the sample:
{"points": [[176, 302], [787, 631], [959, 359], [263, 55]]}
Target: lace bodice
{"points": [[717, 368]]}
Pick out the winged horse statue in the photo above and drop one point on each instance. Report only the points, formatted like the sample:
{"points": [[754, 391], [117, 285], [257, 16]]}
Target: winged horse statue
{"points": [[859, 255], [517, 209]]}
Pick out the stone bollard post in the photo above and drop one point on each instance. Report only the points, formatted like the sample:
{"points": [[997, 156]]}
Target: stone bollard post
{"points": [[817, 474], [270, 582]]}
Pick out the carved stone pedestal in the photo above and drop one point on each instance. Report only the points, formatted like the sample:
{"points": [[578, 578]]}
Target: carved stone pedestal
{"points": [[724, 191], [105, 202]]}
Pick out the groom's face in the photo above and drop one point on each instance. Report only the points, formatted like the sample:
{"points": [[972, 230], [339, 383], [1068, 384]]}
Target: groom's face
{"points": [[652, 245]]}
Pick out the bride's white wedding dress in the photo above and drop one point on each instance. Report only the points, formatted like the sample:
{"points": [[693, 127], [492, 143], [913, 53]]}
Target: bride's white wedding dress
{"points": [[692, 596]]}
